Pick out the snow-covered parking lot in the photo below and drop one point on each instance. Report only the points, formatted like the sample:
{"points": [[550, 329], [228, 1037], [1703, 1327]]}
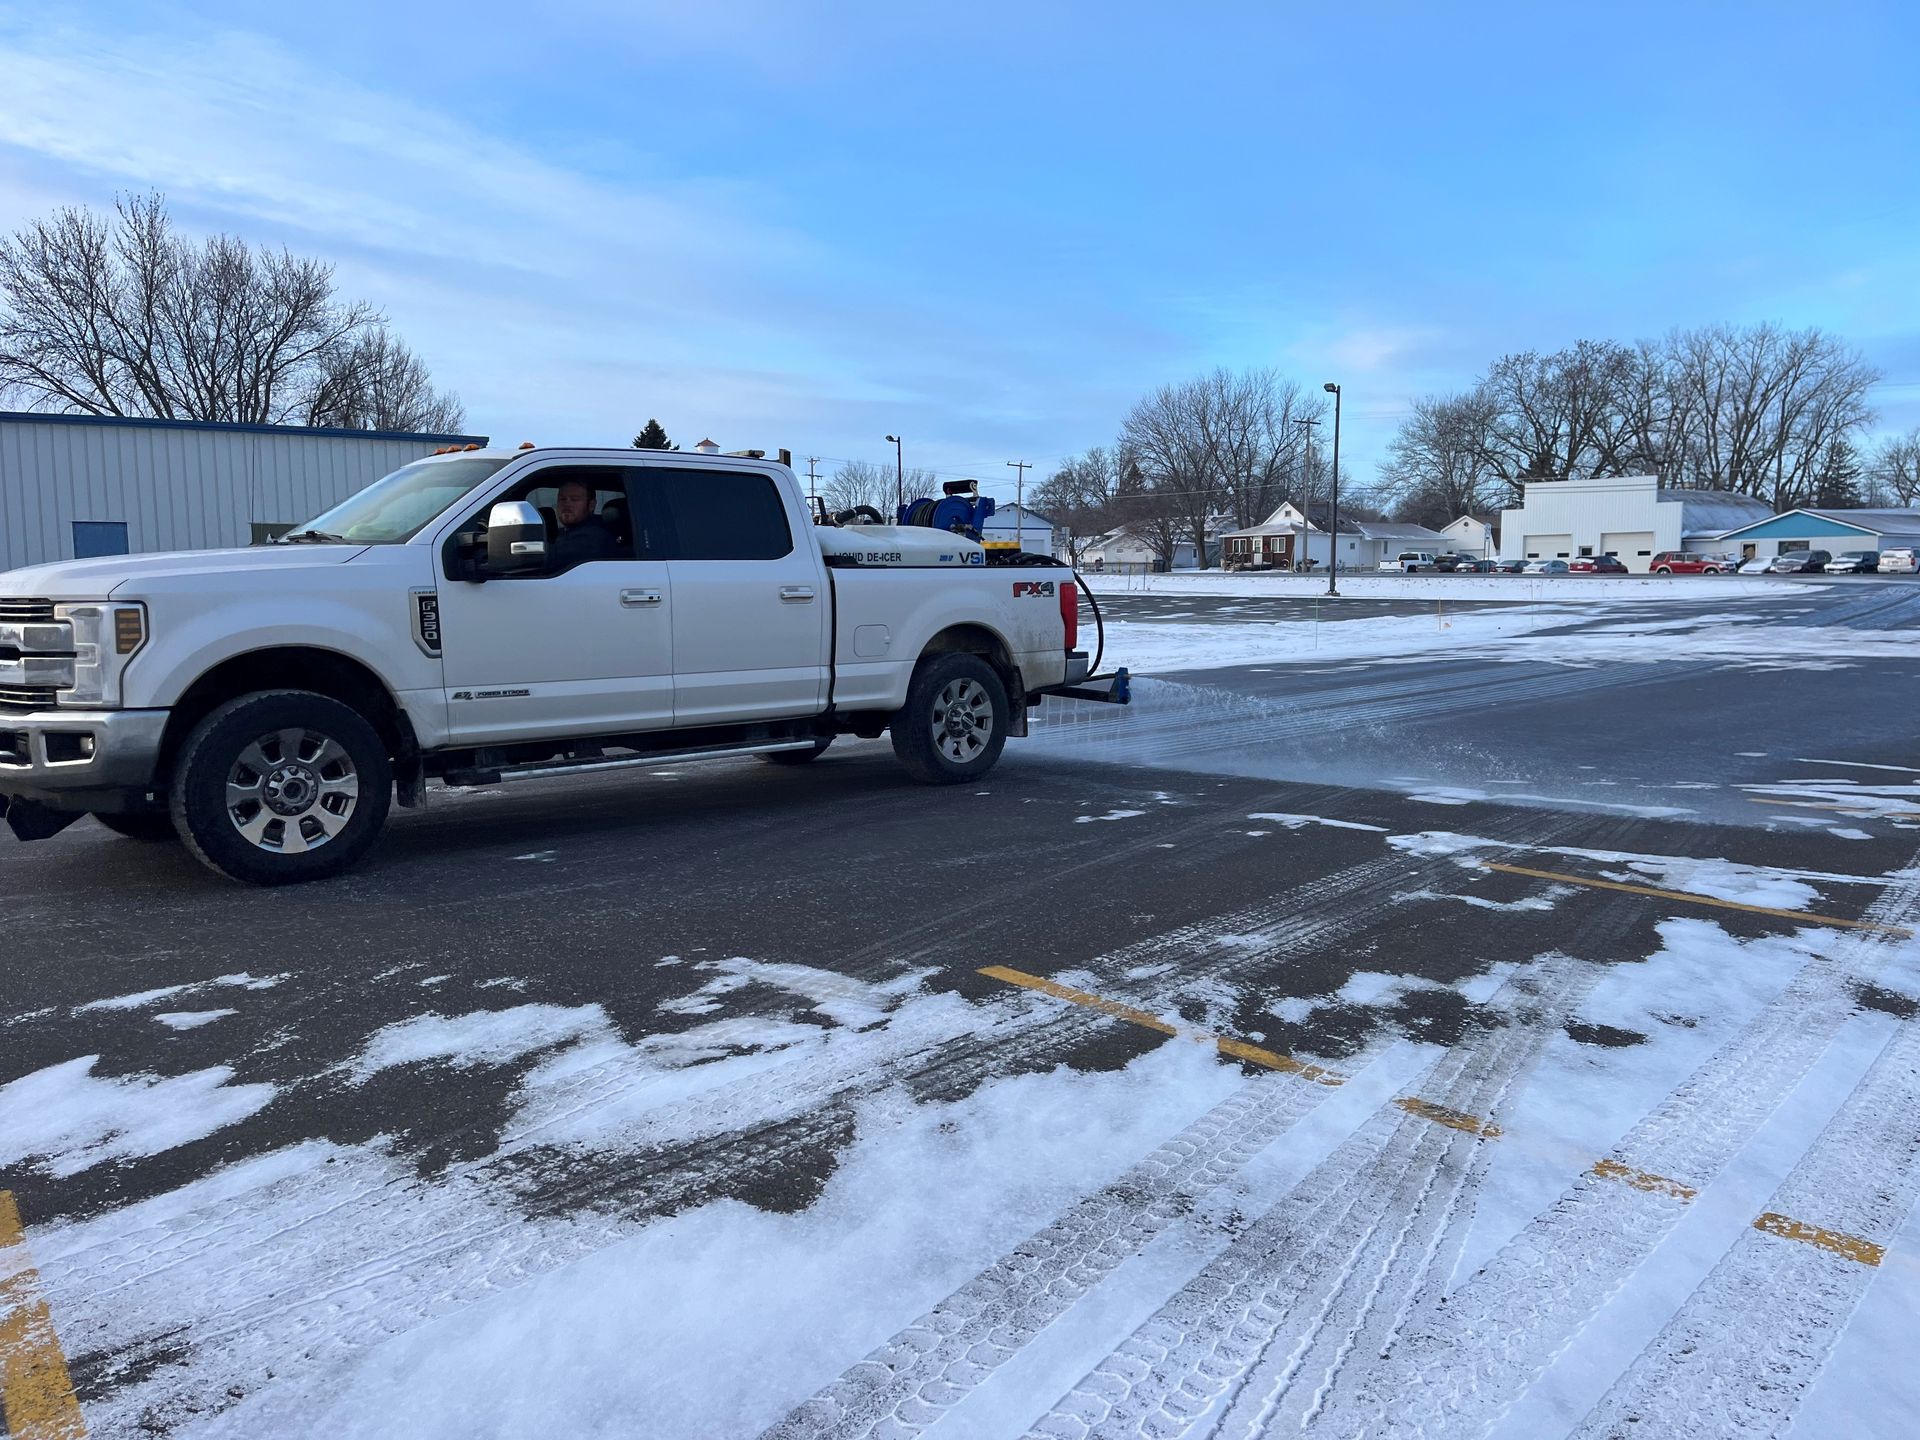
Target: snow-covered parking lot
{"points": [[1347, 1040]]}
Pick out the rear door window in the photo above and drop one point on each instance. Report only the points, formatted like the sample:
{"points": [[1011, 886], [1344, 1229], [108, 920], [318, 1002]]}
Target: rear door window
{"points": [[716, 515]]}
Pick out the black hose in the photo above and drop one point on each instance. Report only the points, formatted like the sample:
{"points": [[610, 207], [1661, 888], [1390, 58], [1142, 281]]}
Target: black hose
{"points": [[1099, 627]]}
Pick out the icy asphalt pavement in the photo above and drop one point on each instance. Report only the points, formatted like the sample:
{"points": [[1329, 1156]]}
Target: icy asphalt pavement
{"points": [[1549, 1102]]}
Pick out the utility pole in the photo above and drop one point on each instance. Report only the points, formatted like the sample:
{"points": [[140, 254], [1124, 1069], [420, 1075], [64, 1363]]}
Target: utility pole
{"points": [[1306, 425], [812, 480], [1333, 540], [1019, 499], [899, 479]]}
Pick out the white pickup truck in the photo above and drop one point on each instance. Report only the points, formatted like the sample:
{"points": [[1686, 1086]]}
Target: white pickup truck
{"points": [[485, 615]]}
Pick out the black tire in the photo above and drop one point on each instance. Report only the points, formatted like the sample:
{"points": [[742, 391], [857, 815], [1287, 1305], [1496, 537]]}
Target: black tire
{"points": [[143, 825], [799, 757], [939, 742], [337, 765]]}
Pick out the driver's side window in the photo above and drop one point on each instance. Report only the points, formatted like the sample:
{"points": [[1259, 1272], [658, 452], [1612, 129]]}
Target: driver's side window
{"points": [[586, 513]]}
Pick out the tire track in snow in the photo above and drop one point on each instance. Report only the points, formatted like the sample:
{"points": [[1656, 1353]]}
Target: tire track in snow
{"points": [[1252, 1341], [1466, 1357], [1750, 1341], [924, 1370], [362, 1286]]}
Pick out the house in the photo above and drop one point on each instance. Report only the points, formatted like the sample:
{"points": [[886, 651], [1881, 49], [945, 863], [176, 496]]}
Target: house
{"points": [[1473, 535], [1018, 524], [1294, 534], [1627, 516], [75, 486], [1833, 530]]}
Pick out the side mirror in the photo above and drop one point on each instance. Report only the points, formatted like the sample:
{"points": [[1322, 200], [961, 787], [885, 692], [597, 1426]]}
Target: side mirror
{"points": [[516, 539]]}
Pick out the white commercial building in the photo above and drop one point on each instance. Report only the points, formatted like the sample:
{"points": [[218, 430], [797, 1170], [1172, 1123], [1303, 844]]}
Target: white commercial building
{"points": [[73, 486], [1627, 516], [1473, 535], [1011, 524]]}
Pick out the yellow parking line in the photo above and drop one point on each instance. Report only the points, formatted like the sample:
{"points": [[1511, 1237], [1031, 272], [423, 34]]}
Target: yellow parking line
{"points": [[1238, 1049], [1453, 1119], [1687, 897], [1852, 1247], [1642, 1180], [35, 1389]]}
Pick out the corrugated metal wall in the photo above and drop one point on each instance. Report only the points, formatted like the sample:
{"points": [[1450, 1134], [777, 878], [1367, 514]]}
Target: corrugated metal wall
{"points": [[177, 485]]}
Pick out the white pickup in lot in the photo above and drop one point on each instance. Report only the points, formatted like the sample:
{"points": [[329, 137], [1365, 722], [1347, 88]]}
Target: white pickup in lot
{"points": [[1409, 562], [483, 616]]}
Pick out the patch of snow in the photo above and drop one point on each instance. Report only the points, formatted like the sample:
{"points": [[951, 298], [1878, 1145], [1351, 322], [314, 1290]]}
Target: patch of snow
{"points": [[141, 998], [65, 1119], [1847, 833], [1110, 815], [191, 1019], [1295, 822], [482, 1037]]}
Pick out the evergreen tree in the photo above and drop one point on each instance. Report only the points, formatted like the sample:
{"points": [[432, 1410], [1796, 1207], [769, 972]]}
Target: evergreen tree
{"points": [[653, 438], [1837, 484]]}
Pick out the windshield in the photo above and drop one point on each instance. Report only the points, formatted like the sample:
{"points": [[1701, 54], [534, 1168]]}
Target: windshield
{"points": [[393, 510]]}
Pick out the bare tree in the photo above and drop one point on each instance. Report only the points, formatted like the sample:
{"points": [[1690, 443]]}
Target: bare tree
{"points": [[1764, 405], [1440, 464], [1080, 496], [374, 382], [1895, 469], [861, 482], [121, 315]]}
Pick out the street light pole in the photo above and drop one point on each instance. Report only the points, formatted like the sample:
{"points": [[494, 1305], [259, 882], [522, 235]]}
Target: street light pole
{"points": [[899, 478], [1333, 540]]}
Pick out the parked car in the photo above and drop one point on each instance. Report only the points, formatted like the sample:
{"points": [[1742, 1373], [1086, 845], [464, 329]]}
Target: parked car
{"points": [[1448, 564], [1800, 562], [1509, 567], [1854, 562], [1688, 562], [1545, 567], [1596, 565], [1758, 565], [1476, 567], [1900, 562], [1410, 562]]}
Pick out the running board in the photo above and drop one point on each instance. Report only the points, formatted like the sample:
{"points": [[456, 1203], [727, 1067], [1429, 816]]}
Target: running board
{"points": [[546, 769]]}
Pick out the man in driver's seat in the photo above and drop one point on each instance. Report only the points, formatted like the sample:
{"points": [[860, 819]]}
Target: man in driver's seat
{"points": [[583, 534]]}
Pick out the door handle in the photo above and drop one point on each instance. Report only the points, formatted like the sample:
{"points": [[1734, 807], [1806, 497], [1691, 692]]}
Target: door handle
{"points": [[796, 594], [639, 599]]}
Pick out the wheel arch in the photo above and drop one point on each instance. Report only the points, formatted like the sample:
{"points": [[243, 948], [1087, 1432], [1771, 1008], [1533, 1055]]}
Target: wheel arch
{"points": [[290, 667]]}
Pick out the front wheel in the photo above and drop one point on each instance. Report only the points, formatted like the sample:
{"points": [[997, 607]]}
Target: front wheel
{"points": [[954, 724], [281, 786], [1667, 570]]}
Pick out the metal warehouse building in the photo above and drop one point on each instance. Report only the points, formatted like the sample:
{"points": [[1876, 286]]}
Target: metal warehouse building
{"points": [[72, 486], [1628, 516]]}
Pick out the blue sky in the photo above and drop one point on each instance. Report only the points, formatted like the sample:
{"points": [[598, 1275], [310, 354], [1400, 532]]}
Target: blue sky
{"points": [[990, 228]]}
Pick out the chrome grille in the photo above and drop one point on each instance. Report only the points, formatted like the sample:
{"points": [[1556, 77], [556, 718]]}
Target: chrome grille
{"points": [[27, 697], [26, 610]]}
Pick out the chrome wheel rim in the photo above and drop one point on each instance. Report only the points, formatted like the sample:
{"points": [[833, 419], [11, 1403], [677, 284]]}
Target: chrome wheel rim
{"points": [[292, 791], [962, 720]]}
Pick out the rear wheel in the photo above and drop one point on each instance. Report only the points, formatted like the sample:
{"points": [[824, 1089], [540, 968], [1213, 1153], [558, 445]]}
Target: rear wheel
{"points": [[141, 826], [1668, 570], [282, 786], [954, 724]]}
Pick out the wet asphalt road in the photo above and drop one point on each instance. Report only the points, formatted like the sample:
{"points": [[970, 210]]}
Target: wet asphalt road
{"points": [[1107, 826]]}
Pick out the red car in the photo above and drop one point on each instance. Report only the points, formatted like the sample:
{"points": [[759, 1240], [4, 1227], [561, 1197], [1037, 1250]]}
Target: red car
{"points": [[1687, 562], [1596, 565]]}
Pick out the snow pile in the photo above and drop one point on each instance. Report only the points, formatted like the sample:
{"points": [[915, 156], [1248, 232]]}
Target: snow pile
{"points": [[142, 998], [66, 1119]]}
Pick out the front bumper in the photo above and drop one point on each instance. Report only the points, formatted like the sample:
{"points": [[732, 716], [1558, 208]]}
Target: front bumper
{"points": [[79, 759]]}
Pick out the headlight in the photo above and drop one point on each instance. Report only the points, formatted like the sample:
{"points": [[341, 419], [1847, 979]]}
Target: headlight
{"points": [[104, 639]]}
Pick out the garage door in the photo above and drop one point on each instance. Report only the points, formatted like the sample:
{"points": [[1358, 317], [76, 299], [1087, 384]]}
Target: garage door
{"points": [[1634, 547], [1549, 547]]}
